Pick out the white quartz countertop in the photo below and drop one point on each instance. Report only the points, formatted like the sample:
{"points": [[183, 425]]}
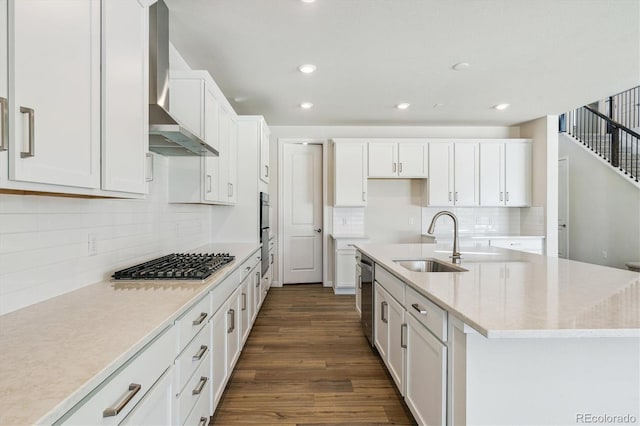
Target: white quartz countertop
{"points": [[447, 237], [54, 352], [508, 293]]}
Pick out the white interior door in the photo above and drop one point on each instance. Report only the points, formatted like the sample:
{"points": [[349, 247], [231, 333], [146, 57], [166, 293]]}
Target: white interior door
{"points": [[563, 208], [302, 213]]}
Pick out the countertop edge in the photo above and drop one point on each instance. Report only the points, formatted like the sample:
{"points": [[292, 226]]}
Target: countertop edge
{"points": [[73, 399]]}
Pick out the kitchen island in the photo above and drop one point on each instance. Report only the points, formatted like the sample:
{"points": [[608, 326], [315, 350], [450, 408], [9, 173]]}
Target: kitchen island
{"points": [[524, 339]]}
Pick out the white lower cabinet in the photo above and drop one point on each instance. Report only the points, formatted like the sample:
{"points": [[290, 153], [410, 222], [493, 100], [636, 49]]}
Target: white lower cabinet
{"points": [[426, 379], [218, 356], [381, 323], [155, 407], [257, 292], [233, 329], [389, 334], [246, 307]]}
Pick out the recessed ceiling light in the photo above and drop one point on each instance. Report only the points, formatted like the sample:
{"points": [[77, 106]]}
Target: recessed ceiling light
{"points": [[460, 66], [403, 105], [438, 105], [306, 105], [307, 1], [501, 107], [239, 99], [307, 68]]}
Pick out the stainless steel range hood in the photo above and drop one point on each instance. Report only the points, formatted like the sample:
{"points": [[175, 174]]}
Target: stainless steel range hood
{"points": [[166, 135]]}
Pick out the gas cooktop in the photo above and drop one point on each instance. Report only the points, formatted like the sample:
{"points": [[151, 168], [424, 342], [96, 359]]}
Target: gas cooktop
{"points": [[176, 266]]}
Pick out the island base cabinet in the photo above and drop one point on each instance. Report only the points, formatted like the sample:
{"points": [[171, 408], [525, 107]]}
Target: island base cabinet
{"points": [[426, 378], [218, 356], [541, 381]]}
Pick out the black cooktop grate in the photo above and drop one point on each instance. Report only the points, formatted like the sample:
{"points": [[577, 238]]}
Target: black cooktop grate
{"points": [[176, 266]]}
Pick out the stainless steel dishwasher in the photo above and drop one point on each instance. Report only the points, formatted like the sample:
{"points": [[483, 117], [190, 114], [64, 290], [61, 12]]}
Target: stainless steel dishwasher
{"points": [[366, 280]]}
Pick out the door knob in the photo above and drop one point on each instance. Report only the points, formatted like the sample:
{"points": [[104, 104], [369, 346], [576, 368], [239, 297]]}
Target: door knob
{"points": [[564, 225], [319, 230]]}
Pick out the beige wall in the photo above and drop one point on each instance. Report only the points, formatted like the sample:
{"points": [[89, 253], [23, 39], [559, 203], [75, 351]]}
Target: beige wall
{"points": [[544, 135]]}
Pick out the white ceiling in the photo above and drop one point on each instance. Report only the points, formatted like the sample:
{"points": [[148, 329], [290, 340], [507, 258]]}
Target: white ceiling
{"points": [[541, 56]]}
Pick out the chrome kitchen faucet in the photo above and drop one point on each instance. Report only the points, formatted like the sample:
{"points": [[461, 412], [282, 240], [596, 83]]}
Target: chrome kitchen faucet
{"points": [[455, 257]]}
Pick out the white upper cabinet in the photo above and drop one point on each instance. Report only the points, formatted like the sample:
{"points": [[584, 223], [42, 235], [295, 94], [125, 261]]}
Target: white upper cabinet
{"points": [[265, 134], [55, 110], [505, 173], [350, 179], [383, 159], [453, 174], [201, 107], [125, 109], [4, 86], [407, 159]]}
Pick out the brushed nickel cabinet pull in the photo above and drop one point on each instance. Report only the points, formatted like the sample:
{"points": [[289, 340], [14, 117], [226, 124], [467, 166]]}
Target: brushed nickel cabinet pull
{"points": [[500, 195], [208, 183], [134, 388], [456, 196], [393, 167], [507, 195], [201, 383], [32, 143], [383, 315], [231, 313], [151, 170], [203, 421], [248, 268], [258, 279], [449, 195], [399, 167], [200, 354], [403, 340], [364, 196], [419, 309], [244, 301], [231, 189], [4, 119], [266, 173], [200, 318]]}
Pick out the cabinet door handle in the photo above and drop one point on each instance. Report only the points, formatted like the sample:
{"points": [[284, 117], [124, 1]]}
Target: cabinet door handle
{"points": [[231, 313], [4, 119], [393, 167], [419, 309], [383, 315], [231, 189], [500, 195], [198, 356], [244, 301], [32, 143], [266, 171], [248, 268], [151, 170], [203, 421], [208, 183], [364, 196], [258, 279], [449, 195], [456, 196], [399, 167], [200, 318], [507, 195], [201, 383], [403, 339], [134, 388], [272, 257], [360, 281]]}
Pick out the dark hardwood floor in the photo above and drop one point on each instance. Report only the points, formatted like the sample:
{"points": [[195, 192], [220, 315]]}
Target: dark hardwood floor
{"points": [[307, 362]]}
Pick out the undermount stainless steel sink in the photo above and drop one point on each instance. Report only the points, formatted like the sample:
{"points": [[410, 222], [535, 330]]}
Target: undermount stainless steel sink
{"points": [[429, 265]]}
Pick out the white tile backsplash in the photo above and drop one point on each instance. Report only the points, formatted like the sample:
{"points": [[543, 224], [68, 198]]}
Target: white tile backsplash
{"points": [[475, 220], [44, 240], [348, 220]]}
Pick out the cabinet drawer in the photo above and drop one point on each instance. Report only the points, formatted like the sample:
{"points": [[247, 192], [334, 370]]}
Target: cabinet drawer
{"points": [[200, 414], [197, 388], [393, 285], [522, 244], [110, 403], [223, 291], [249, 264], [430, 315], [192, 357], [189, 324]]}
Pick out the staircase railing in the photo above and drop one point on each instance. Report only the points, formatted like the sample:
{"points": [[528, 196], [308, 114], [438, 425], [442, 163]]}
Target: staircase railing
{"points": [[624, 108], [614, 142]]}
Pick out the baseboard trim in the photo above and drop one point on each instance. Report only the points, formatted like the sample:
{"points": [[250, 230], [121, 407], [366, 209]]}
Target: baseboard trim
{"points": [[347, 290]]}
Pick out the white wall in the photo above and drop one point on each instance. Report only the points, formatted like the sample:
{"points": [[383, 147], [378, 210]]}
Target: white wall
{"points": [[604, 210], [544, 135], [44, 240]]}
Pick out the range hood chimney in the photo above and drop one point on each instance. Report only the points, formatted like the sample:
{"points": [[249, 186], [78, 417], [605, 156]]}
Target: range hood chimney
{"points": [[166, 135]]}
